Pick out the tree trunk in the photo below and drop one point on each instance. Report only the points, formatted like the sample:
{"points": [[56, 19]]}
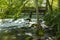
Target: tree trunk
{"points": [[50, 5], [36, 36], [59, 4]]}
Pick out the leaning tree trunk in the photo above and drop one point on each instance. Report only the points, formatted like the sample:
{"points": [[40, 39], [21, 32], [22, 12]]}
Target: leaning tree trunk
{"points": [[50, 5], [59, 4]]}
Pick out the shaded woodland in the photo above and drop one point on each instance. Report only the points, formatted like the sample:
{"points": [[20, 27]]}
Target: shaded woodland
{"points": [[45, 12]]}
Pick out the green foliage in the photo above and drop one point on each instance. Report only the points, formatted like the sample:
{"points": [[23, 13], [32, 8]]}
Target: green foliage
{"points": [[28, 38], [11, 8], [41, 32], [53, 21], [51, 18]]}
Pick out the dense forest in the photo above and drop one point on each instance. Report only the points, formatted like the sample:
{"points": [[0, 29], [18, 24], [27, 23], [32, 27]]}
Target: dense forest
{"points": [[29, 19]]}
